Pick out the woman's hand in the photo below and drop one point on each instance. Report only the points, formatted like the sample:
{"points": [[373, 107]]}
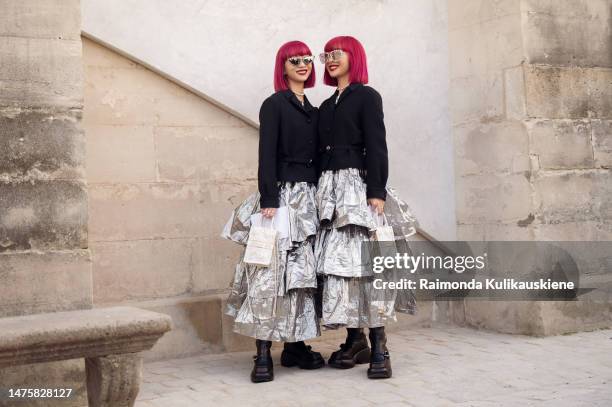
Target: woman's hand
{"points": [[268, 212], [378, 204]]}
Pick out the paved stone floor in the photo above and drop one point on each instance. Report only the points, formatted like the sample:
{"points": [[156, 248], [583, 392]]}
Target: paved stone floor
{"points": [[447, 366]]}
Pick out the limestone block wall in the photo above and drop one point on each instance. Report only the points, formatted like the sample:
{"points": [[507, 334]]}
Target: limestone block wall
{"points": [[165, 168], [44, 257], [493, 193], [568, 116], [45, 263], [531, 103]]}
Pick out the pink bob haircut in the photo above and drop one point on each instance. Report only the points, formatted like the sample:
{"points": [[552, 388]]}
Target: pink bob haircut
{"points": [[358, 70], [287, 50]]}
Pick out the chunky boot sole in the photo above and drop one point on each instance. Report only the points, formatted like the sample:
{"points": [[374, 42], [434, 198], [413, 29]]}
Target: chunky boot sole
{"points": [[380, 370], [262, 374], [361, 357], [289, 360]]}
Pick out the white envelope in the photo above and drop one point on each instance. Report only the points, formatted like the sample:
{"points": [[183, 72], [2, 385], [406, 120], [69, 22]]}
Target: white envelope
{"points": [[281, 221]]}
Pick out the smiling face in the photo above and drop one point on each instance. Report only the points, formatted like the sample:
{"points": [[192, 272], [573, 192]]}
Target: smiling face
{"points": [[338, 66], [298, 72]]}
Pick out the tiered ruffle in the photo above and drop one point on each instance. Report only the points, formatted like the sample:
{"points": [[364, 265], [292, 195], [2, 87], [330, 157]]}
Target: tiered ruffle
{"points": [[277, 303], [349, 297]]}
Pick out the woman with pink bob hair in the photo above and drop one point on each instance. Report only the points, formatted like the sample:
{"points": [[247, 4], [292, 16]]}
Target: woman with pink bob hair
{"points": [[277, 303], [353, 201]]}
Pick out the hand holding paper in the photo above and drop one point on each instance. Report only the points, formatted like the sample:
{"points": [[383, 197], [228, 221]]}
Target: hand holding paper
{"points": [[280, 221]]}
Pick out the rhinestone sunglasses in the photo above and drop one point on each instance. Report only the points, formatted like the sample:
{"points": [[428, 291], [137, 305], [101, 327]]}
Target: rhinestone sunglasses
{"points": [[331, 55], [295, 61]]}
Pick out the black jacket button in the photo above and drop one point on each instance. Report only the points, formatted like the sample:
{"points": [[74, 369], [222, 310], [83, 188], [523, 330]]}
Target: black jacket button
{"points": [[309, 120]]}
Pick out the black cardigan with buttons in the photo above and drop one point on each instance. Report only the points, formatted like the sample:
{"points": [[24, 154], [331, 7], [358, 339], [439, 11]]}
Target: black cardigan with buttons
{"points": [[287, 144], [352, 135]]}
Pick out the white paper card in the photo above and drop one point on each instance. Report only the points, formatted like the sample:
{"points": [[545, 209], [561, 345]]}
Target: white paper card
{"points": [[384, 232], [280, 221]]}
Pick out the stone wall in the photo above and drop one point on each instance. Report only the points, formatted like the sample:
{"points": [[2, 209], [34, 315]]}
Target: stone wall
{"points": [[531, 103], [45, 262], [568, 116], [491, 144], [165, 168]]}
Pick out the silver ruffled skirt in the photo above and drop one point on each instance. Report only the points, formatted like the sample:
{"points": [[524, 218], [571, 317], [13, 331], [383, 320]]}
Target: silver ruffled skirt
{"points": [[277, 303], [349, 297]]}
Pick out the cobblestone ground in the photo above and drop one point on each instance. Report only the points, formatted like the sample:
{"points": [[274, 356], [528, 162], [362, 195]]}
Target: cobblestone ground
{"points": [[447, 366]]}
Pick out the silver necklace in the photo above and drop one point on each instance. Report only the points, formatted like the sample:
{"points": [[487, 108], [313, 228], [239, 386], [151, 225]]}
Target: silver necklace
{"points": [[299, 94], [340, 92]]}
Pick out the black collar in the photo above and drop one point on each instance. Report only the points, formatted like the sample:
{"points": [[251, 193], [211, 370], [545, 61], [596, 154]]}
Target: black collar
{"points": [[289, 95], [346, 92]]}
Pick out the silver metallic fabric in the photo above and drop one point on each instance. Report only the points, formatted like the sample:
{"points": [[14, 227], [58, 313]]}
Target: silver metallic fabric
{"points": [[341, 199], [349, 297], [339, 251], [277, 303], [298, 197], [399, 216], [355, 303]]}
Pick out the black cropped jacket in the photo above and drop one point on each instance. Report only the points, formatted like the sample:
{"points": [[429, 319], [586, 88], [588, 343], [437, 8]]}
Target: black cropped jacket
{"points": [[352, 135], [287, 144]]}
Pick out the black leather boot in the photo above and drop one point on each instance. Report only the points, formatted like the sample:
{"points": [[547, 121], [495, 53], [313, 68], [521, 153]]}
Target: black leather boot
{"points": [[380, 362], [301, 355], [263, 369], [353, 351]]}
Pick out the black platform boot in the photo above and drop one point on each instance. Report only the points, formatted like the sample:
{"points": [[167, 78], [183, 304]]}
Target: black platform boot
{"points": [[380, 362], [353, 351], [263, 369], [301, 355]]}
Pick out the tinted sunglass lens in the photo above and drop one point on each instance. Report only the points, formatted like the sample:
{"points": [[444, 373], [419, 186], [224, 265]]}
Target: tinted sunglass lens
{"points": [[294, 61]]}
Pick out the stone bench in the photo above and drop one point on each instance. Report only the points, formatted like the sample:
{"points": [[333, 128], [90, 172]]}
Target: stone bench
{"points": [[108, 338]]}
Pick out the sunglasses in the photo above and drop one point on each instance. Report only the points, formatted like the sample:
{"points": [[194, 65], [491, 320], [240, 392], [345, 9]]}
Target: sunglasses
{"points": [[334, 55], [296, 61]]}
